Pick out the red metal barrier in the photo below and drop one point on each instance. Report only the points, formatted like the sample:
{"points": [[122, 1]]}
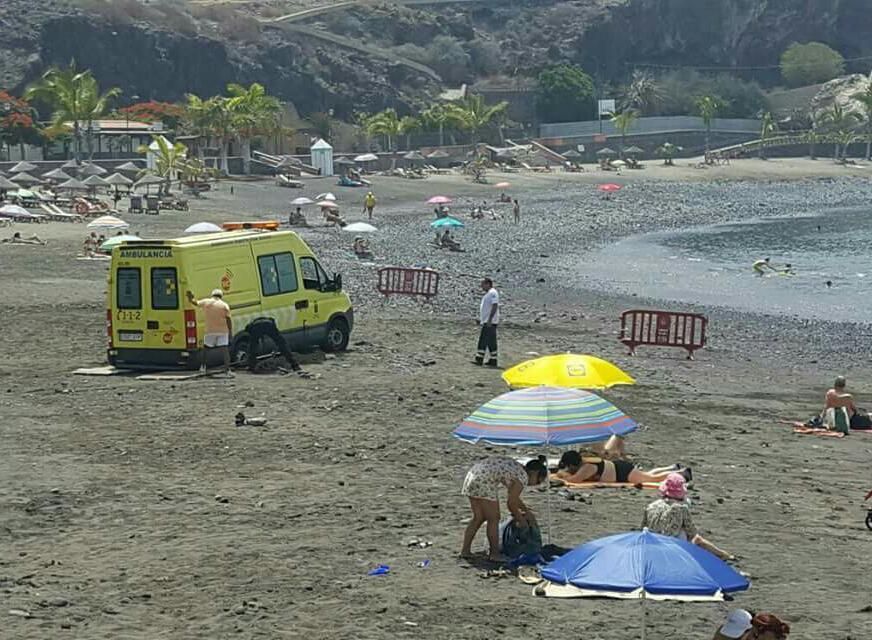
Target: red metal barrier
{"points": [[408, 282], [663, 329]]}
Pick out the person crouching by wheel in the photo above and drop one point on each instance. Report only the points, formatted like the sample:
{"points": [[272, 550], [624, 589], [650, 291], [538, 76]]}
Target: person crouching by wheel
{"points": [[482, 484], [262, 328]]}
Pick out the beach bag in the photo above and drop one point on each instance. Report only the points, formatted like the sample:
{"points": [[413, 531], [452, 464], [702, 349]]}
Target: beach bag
{"points": [[517, 541], [861, 420]]}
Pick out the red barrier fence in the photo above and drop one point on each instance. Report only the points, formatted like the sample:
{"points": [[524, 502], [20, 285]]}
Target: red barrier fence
{"points": [[663, 329], [408, 282]]}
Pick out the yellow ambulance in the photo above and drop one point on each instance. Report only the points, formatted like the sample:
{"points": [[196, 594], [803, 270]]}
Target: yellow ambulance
{"points": [[263, 273]]}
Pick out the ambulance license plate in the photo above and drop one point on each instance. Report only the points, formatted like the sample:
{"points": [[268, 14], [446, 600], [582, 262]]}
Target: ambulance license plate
{"points": [[130, 336]]}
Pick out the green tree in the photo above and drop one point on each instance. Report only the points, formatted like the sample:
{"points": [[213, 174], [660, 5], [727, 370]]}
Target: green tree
{"points": [[75, 98], [212, 119], [253, 114], [708, 108], [623, 122], [810, 63], [768, 127], [668, 151], [435, 118], [473, 114], [322, 123], [386, 123], [18, 123], [865, 98], [565, 93], [408, 126], [643, 94], [170, 160], [840, 125]]}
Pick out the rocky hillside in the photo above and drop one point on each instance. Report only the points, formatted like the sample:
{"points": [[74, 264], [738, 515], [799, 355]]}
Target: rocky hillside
{"points": [[368, 56]]}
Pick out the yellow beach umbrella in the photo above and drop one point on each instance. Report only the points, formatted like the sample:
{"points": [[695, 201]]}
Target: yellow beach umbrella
{"points": [[567, 370]]}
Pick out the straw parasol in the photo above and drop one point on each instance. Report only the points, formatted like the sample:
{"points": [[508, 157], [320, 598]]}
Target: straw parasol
{"points": [[147, 181], [605, 151], [25, 178], [7, 185], [633, 151], [23, 167], [95, 181], [439, 153], [128, 167], [92, 169], [572, 154], [73, 185], [343, 162], [117, 180], [414, 155], [57, 175]]}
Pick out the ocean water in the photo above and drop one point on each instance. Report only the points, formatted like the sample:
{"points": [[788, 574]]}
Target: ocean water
{"points": [[712, 266]]}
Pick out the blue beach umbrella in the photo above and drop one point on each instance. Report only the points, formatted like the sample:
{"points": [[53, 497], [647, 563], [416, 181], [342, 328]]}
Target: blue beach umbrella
{"points": [[545, 416], [643, 565], [447, 221]]}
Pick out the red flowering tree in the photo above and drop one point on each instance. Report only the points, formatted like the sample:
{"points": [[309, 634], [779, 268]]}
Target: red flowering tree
{"points": [[17, 122], [153, 111]]}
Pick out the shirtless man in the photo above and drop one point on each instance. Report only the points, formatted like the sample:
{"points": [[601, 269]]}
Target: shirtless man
{"points": [[760, 266], [838, 398]]}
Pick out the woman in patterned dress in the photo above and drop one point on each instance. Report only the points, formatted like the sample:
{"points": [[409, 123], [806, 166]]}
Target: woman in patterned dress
{"points": [[482, 484]]}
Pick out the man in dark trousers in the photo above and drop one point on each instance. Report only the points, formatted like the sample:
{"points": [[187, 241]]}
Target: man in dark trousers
{"points": [[266, 328], [489, 316]]}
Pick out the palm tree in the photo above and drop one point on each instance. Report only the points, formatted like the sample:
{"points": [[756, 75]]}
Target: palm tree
{"points": [[865, 98], [623, 122], [668, 151], [75, 98], [170, 160], [708, 108], [768, 126], [408, 126], [643, 93], [436, 117], [253, 113], [387, 124], [211, 118], [474, 114], [840, 125]]}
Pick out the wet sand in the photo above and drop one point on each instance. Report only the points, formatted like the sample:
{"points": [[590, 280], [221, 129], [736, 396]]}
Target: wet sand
{"points": [[138, 510]]}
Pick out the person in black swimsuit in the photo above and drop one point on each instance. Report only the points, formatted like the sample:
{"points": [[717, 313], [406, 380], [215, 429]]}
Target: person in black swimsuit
{"points": [[575, 469]]}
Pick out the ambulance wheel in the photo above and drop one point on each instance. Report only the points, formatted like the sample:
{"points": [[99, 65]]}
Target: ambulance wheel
{"points": [[239, 351], [338, 336]]}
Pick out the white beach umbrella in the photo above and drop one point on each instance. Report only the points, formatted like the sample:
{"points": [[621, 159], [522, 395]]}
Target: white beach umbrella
{"points": [[325, 196], [14, 211], [203, 227], [110, 223], [366, 157], [328, 204], [359, 227], [302, 200]]}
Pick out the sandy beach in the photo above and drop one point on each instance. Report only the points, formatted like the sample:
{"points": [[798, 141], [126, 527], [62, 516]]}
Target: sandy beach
{"points": [[133, 509]]}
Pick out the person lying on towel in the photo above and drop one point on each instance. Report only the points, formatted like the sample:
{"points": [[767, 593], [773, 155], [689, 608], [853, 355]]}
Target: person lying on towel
{"points": [[575, 469]]}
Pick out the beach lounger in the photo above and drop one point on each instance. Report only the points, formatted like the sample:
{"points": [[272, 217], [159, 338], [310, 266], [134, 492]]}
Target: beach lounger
{"points": [[135, 204], [152, 205]]}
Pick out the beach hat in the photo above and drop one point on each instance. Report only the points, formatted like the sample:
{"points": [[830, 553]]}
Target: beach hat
{"points": [[217, 293], [738, 622], [675, 486]]}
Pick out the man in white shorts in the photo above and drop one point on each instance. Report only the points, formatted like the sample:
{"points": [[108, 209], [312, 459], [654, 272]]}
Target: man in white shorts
{"points": [[219, 325]]}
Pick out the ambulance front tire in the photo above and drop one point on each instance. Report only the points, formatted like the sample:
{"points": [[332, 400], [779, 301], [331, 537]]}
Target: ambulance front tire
{"points": [[338, 336]]}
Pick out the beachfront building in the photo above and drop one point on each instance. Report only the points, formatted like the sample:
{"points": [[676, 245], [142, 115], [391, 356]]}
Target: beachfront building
{"points": [[108, 139]]}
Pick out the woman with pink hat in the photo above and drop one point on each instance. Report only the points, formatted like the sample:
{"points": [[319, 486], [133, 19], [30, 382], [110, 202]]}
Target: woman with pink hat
{"points": [[670, 515]]}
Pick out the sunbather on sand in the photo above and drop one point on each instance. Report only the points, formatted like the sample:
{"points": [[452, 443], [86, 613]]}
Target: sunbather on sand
{"points": [[573, 468], [670, 516], [17, 239], [482, 485], [838, 398], [361, 248]]}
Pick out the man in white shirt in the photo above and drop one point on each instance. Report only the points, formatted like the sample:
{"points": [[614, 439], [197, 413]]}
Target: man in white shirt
{"points": [[489, 316]]}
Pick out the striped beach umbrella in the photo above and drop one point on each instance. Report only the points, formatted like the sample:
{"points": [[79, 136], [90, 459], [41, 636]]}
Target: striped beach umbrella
{"points": [[545, 416]]}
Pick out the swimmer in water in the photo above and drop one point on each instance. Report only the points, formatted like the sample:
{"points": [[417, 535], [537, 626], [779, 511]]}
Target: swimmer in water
{"points": [[829, 283], [760, 266], [788, 270]]}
